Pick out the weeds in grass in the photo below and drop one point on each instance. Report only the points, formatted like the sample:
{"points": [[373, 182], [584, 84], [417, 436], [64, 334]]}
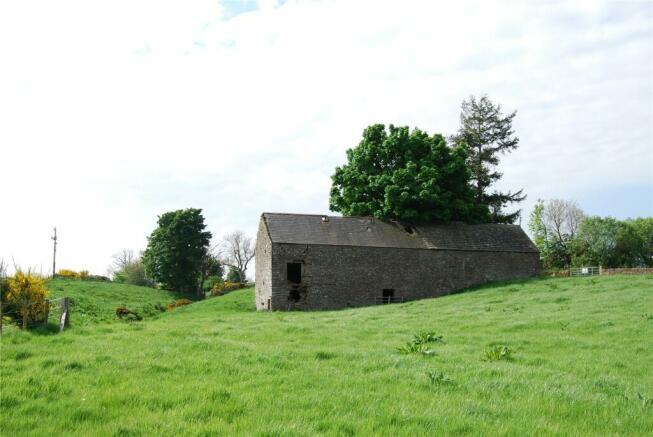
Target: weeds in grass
{"points": [[427, 337], [412, 348], [438, 378], [648, 317], [645, 400], [324, 355], [498, 353], [418, 345]]}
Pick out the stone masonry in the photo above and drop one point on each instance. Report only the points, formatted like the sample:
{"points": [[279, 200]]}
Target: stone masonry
{"points": [[319, 262]]}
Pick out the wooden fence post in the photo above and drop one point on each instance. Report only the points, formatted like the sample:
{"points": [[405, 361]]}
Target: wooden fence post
{"points": [[64, 320], [47, 311]]}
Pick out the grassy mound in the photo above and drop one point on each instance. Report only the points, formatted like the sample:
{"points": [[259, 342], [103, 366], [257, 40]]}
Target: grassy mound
{"points": [[93, 302], [552, 357]]}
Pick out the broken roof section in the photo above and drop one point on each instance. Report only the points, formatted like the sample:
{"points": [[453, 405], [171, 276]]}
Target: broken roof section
{"points": [[373, 232]]}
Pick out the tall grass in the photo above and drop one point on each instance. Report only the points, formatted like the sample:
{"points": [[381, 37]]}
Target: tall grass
{"points": [[581, 365]]}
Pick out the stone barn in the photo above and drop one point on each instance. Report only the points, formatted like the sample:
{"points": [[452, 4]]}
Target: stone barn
{"points": [[314, 262]]}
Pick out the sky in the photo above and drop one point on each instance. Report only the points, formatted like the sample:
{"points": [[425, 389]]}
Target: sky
{"points": [[112, 113]]}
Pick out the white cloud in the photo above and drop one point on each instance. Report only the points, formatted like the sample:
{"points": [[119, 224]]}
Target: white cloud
{"points": [[114, 112]]}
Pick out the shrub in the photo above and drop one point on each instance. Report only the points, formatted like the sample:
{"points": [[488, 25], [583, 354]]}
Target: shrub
{"points": [[125, 313], [498, 353], [132, 272], [98, 278], [178, 303], [68, 274], [26, 292], [225, 287]]}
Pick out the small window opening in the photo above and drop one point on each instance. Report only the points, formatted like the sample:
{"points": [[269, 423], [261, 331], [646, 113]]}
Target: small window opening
{"points": [[294, 272], [269, 304], [388, 292]]}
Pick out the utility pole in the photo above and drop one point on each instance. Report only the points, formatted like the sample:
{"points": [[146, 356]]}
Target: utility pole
{"points": [[54, 254]]}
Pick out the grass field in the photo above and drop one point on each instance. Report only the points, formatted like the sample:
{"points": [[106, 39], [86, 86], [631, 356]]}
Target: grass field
{"points": [[95, 302], [582, 364]]}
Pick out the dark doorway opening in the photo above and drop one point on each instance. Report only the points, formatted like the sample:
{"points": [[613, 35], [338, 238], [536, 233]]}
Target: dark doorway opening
{"points": [[294, 295], [268, 303], [388, 295], [294, 272]]}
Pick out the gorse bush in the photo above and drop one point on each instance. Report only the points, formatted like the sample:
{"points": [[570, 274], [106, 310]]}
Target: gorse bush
{"points": [[498, 353], [178, 303], [27, 294], [225, 287], [84, 275], [68, 274]]}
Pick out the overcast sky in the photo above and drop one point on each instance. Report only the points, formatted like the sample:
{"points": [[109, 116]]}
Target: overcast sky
{"points": [[113, 112]]}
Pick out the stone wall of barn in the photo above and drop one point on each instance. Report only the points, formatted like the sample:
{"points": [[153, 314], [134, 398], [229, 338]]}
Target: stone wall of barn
{"points": [[263, 268], [344, 276]]}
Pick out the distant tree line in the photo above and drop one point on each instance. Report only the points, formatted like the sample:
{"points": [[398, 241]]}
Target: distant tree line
{"points": [[409, 175], [567, 237]]}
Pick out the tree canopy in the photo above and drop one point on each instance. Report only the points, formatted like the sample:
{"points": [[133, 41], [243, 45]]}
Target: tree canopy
{"points": [[566, 237], [176, 249], [487, 134], [399, 174]]}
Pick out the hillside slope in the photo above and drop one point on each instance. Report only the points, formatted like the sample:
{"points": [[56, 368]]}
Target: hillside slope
{"points": [[94, 302], [582, 354]]}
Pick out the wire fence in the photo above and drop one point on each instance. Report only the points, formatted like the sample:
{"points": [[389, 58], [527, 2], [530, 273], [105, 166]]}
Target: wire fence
{"points": [[56, 310]]}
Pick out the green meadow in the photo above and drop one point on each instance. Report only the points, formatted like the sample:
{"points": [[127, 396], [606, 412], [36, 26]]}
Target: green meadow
{"points": [[567, 356]]}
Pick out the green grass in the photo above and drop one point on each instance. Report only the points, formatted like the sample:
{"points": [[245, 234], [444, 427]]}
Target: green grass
{"points": [[94, 302], [581, 354]]}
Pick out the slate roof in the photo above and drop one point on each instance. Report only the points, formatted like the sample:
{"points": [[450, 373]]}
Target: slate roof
{"points": [[372, 232]]}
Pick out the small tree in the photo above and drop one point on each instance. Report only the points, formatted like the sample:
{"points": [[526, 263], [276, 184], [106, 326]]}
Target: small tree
{"points": [[554, 225], [210, 272], [128, 268], [236, 252], [233, 275], [26, 292], [643, 227], [176, 248]]}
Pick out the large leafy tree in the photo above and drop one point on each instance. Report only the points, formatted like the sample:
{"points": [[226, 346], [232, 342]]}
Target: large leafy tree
{"points": [[609, 242], [488, 133], [399, 174], [176, 250]]}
